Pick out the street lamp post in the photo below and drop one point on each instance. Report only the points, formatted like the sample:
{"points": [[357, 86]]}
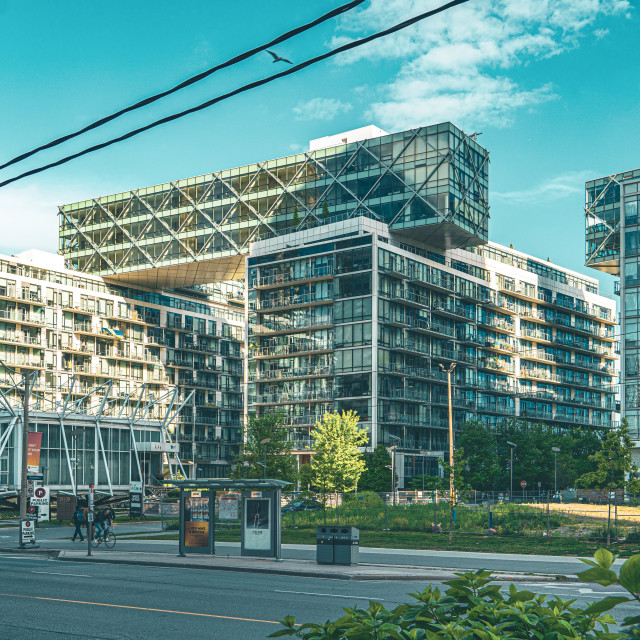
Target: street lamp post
{"points": [[393, 467], [556, 451], [264, 444], [449, 371], [513, 446]]}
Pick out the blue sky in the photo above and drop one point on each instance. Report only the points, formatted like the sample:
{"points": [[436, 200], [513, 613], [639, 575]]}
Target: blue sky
{"points": [[552, 85]]}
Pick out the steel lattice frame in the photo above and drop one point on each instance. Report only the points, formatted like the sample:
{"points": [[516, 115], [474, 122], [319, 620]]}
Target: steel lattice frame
{"points": [[135, 408], [608, 232], [466, 178]]}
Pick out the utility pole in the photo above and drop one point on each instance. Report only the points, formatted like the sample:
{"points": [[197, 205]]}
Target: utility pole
{"points": [[25, 447], [513, 446]]}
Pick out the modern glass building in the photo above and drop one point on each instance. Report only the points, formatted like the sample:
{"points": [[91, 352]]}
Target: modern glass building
{"points": [[353, 316], [351, 272], [428, 184], [98, 349], [613, 246]]}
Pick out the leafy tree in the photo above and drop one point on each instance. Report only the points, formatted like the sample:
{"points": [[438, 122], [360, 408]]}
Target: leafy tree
{"points": [[296, 217], [613, 463], [377, 473], [337, 464], [281, 464], [480, 440], [325, 210]]}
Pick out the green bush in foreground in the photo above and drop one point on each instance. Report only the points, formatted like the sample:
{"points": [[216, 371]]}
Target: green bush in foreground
{"points": [[472, 608]]}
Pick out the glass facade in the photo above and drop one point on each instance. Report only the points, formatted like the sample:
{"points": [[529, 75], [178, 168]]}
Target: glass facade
{"points": [[428, 183], [358, 320], [612, 211]]}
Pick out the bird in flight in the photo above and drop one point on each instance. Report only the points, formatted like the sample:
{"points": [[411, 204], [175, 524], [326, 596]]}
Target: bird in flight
{"points": [[277, 58]]}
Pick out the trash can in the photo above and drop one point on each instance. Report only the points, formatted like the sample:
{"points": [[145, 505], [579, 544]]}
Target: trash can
{"points": [[346, 546], [324, 547]]}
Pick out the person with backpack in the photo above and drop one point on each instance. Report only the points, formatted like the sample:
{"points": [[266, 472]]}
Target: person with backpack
{"points": [[109, 514], [99, 524], [78, 520]]}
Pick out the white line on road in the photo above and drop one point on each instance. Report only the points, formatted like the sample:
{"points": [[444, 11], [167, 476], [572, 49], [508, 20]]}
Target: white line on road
{"points": [[56, 573], [328, 595]]}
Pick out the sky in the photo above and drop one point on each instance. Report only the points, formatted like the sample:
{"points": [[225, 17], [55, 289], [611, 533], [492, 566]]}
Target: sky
{"points": [[551, 85]]}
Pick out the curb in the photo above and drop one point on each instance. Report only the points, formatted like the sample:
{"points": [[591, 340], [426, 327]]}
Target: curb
{"points": [[50, 553], [429, 574]]}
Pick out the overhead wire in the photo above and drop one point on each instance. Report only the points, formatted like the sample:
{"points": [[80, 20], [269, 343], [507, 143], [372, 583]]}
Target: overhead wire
{"points": [[252, 85], [188, 82]]}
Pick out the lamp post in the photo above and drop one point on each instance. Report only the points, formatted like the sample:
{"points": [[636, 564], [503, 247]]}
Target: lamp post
{"points": [[513, 446], [556, 451], [449, 371], [393, 467], [264, 444]]}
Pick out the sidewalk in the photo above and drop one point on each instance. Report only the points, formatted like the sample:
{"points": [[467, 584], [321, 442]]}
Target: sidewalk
{"points": [[290, 567]]}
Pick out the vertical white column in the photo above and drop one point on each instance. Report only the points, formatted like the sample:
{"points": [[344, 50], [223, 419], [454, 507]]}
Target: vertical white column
{"points": [[374, 341]]}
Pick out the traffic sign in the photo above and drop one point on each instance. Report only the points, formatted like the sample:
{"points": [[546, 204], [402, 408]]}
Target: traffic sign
{"points": [[30, 488], [523, 484], [27, 531], [41, 499]]}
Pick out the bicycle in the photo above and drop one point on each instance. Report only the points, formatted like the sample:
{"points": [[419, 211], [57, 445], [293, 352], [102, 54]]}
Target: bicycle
{"points": [[107, 536]]}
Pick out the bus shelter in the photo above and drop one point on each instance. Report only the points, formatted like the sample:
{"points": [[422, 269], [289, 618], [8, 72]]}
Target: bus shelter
{"points": [[255, 506]]}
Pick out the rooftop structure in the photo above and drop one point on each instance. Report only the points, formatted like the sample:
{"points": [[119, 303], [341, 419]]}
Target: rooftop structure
{"points": [[429, 184]]}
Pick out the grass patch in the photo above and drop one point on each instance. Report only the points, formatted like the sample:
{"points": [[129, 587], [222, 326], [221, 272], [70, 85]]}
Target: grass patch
{"points": [[440, 542]]}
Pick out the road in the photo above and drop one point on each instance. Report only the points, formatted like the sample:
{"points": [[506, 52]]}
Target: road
{"points": [[55, 537], [46, 599]]}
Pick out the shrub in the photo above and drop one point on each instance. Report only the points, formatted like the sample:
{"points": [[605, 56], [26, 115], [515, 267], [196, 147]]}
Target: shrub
{"points": [[472, 608]]}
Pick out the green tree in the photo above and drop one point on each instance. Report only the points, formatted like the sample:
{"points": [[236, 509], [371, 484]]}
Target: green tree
{"points": [[296, 217], [480, 440], [281, 463], [377, 473], [325, 210], [337, 464], [613, 463]]}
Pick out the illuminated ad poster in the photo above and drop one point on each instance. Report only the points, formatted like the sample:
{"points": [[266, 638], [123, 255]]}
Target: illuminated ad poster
{"points": [[257, 524], [34, 441], [228, 507], [196, 520]]}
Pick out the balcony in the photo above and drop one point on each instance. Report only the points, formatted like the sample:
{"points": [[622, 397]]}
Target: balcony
{"points": [[283, 350], [290, 373], [496, 365], [283, 327], [300, 300], [286, 397], [276, 279]]}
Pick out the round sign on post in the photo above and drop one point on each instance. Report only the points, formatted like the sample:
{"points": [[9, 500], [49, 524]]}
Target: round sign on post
{"points": [[523, 484]]}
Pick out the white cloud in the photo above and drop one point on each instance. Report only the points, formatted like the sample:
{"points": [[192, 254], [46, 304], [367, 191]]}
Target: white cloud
{"points": [[29, 215], [320, 109], [460, 64], [562, 186], [601, 33]]}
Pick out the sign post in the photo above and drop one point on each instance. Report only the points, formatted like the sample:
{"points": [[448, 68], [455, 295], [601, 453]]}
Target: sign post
{"points": [[523, 484], [41, 500], [28, 533]]}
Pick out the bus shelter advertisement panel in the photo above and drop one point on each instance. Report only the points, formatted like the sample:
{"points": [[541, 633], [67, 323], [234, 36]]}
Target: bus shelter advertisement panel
{"points": [[196, 520], [257, 524]]}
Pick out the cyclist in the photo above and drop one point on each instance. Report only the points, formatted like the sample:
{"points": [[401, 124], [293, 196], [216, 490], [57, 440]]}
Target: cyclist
{"points": [[99, 524], [110, 515]]}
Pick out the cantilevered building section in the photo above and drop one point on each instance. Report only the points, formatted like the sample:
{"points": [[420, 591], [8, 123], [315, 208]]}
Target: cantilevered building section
{"points": [[613, 246], [428, 184]]}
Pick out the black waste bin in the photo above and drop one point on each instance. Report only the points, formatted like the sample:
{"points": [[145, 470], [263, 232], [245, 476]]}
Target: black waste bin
{"points": [[346, 546], [324, 548]]}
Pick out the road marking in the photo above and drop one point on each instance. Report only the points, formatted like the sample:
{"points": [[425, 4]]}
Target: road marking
{"points": [[56, 573], [329, 595], [124, 606]]}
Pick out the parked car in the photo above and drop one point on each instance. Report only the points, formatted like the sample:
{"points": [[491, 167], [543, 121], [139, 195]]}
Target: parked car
{"points": [[302, 505]]}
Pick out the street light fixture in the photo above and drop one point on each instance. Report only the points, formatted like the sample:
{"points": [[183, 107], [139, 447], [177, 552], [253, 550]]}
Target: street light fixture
{"points": [[264, 444], [556, 451], [513, 446]]}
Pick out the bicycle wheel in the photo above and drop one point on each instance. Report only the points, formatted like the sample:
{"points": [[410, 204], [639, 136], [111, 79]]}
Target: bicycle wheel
{"points": [[110, 541], [96, 543]]}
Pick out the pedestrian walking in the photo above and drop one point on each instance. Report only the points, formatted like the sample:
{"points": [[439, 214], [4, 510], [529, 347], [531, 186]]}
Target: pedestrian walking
{"points": [[78, 520]]}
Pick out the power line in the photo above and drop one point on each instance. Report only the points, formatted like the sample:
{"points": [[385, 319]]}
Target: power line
{"points": [[244, 88], [186, 83]]}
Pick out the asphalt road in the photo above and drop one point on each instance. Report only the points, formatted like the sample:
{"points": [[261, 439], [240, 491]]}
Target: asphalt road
{"points": [[56, 537], [45, 599]]}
